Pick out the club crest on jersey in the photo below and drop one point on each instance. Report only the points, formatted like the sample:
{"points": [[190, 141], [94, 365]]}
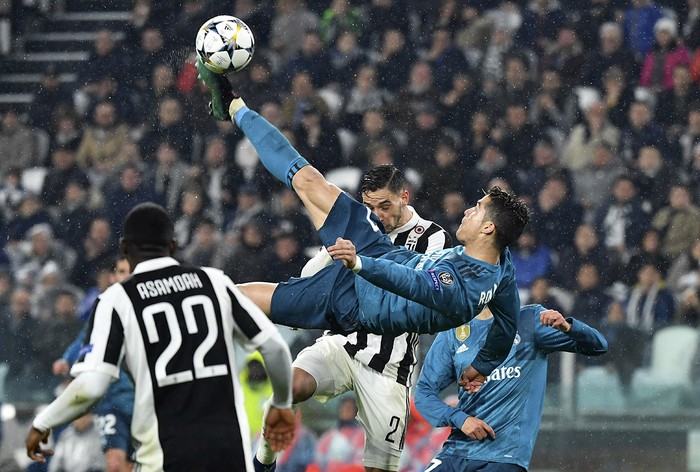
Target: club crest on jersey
{"points": [[463, 332], [419, 230], [446, 278]]}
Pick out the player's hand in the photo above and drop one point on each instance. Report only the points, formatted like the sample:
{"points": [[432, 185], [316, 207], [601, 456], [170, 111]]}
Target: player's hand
{"points": [[555, 319], [471, 380], [477, 429], [34, 450], [343, 250], [280, 426], [60, 367]]}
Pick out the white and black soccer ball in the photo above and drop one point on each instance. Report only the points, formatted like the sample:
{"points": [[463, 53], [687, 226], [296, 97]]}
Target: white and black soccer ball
{"points": [[225, 44]]}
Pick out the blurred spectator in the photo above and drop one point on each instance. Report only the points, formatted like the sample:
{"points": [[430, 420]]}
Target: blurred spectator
{"points": [[74, 214], [690, 24], [130, 190], [290, 18], [340, 16], [17, 143], [290, 216], [612, 52], [517, 84], [313, 58], [689, 139], [64, 170], [97, 249], [105, 59], [384, 16], [161, 85], [590, 299], [649, 253], [476, 136], [287, 257], [208, 247], [256, 391], [519, 137], [363, 96], [251, 255], [51, 94], [170, 176], [622, 221], [192, 15], [589, 19], [317, 140], [375, 130], [625, 346], [674, 104], [593, 184], [491, 164], [66, 129], [541, 293], [11, 193], [585, 250], [78, 448], [343, 445], [679, 222], [654, 177], [249, 205], [689, 309], [566, 56], [394, 60], [346, 56], [101, 143], [665, 54], [553, 107], [424, 135], [639, 21], [258, 85], [618, 95], [531, 258], [60, 327], [303, 95], [108, 89], [650, 305], [30, 213], [219, 178], [459, 103], [577, 153], [258, 16], [171, 126], [685, 270], [556, 214], [418, 93], [641, 131], [445, 58], [542, 20], [452, 211], [445, 173], [191, 210], [150, 51]]}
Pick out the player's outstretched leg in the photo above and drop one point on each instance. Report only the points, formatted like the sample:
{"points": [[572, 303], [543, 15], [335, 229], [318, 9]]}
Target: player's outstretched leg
{"points": [[275, 152]]}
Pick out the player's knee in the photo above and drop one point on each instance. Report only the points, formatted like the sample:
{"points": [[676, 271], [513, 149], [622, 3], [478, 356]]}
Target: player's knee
{"points": [[303, 386], [308, 178]]}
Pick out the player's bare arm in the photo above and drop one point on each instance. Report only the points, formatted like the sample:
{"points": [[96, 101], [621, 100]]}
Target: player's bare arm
{"points": [[477, 429]]}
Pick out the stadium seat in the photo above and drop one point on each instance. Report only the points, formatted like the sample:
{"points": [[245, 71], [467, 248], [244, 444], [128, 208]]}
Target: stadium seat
{"points": [[666, 382], [347, 178], [598, 390]]}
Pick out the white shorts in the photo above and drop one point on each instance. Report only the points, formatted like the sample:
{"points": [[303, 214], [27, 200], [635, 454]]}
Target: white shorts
{"points": [[382, 403]]}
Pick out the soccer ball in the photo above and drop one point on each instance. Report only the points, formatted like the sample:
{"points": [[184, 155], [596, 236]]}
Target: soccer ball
{"points": [[225, 44]]}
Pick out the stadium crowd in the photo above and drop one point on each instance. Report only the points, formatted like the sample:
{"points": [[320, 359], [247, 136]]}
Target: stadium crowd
{"points": [[589, 110]]}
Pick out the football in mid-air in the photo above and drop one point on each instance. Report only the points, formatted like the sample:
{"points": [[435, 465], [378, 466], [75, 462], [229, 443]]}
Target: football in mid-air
{"points": [[225, 44]]}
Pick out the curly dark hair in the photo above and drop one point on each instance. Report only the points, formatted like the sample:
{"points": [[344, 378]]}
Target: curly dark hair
{"points": [[508, 213]]}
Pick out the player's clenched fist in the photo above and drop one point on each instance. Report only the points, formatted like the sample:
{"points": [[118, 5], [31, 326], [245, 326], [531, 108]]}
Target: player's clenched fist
{"points": [[477, 429], [471, 380], [555, 319], [279, 430], [344, 250]]}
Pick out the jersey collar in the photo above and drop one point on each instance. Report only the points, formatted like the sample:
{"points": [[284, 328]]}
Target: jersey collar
{"points": [[409, 224], [154, 264]]}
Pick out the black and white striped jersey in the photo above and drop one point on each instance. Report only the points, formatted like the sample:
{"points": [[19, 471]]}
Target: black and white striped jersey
{"points": [[395, 356], [175, 327]]}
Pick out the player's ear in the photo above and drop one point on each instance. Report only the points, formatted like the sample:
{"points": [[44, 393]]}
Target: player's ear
{"points": [[172, 247], [487, 227], [405, 195]]}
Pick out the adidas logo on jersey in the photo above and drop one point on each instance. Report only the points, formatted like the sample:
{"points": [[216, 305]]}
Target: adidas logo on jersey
{"points": [[462, 348]]}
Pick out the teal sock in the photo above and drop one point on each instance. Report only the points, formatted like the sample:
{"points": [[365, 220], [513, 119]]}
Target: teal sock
{"points": [[275, 151]]}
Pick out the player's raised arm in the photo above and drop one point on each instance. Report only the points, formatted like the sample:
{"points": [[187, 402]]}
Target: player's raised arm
{"points": [[556, 333]]}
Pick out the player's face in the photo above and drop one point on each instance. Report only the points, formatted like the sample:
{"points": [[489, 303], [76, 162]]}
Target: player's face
{"points": [[472, 221], [389, 207], [121, 271]]}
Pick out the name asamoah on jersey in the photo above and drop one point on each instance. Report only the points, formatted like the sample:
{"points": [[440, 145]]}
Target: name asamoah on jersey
{"points": [[166, 286]]}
